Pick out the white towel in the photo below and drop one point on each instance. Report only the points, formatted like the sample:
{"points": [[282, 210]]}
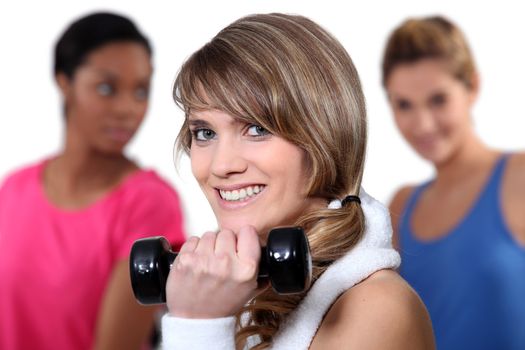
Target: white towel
{"points": [[373, 252]]}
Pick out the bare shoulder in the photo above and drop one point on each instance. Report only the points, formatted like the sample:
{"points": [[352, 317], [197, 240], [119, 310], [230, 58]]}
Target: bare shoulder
{"points": [[516, 169], [514, 186], [519, 157], [396, 206], [398, 202], [382, 312]]}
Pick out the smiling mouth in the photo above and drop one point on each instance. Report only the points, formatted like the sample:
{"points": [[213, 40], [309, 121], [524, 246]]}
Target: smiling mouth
{"points": [[241, 194], [426, 142]]}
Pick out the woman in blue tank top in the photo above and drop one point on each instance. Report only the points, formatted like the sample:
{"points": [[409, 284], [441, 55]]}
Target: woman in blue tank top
{"points": [[461, 235]]}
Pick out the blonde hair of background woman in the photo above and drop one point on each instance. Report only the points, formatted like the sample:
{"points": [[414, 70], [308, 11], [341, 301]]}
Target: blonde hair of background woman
{"points": [[290, 76], [430, 37]]}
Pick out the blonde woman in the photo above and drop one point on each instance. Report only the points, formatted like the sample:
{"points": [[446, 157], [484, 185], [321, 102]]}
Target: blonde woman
{"points": [[275, 128], [461, 235]]}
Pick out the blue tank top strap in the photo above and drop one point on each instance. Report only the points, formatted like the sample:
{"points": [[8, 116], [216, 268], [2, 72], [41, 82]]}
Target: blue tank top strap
{"points": [[491, 193]]}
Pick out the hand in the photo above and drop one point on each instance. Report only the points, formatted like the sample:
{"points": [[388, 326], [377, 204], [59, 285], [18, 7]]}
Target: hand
{"points": [[214, 276]]}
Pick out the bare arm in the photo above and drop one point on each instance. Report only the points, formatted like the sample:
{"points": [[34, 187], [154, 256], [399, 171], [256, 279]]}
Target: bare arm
{"points": [[382, 312], [122, 322], [396, 207]]}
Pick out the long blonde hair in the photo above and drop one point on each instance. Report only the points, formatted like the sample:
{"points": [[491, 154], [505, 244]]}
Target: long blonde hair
{"points": [[290, 76], [430, 37]]}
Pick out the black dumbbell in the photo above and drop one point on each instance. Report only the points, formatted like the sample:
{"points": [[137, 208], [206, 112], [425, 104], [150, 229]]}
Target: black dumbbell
{"points": [[285, 261]]}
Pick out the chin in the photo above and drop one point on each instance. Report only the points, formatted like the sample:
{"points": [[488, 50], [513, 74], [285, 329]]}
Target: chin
{"points": [[436, 158], [235, 224], [112, 150]]}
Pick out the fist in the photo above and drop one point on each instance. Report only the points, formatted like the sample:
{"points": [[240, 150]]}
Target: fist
{"points": [[215, 275]]}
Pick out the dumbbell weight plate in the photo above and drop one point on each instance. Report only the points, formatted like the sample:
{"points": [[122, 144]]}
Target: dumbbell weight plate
{"points": [[288, 260], [148, 270]]}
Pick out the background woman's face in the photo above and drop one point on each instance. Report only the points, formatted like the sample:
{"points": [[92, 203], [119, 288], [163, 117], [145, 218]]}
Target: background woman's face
{"points": [[107, 97], [431, 108], [249, 176]]}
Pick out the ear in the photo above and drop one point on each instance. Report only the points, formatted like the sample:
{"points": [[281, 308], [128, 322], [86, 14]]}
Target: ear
{"points": [[64, 84], [474, 87]]}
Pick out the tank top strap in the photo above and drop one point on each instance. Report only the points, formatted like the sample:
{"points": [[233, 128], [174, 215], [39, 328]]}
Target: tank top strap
{"points": [[491, 192]]}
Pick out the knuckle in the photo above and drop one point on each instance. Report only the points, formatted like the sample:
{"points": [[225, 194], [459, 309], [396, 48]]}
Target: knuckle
{"points": [[225, 235], [192, 240], [209, 235], [247, 271], [226, 232], [184, 260], [221, 267]]}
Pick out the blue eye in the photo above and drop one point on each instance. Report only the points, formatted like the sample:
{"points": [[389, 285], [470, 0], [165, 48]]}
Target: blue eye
{"points": [[105, 89], [257, 130], [203, 134]]}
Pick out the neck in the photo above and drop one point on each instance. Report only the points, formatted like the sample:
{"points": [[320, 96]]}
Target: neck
{"points": [[79, 167], [91, 166], [471, 157]]}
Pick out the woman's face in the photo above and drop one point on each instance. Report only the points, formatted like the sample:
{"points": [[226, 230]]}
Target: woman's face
{"points": [[107, 97], [431, 108], [249, 176]]}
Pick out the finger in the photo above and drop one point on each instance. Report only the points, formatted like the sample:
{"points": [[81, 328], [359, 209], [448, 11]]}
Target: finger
{"points": [[248, 247], [190, 245], [226, 243], [207, 243]]}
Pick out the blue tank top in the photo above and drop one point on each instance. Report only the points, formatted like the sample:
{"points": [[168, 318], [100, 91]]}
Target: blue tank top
{"points": [[472, 280]]}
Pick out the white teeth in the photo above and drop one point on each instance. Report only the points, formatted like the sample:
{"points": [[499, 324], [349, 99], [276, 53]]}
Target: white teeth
{"points": [[242, 194]]}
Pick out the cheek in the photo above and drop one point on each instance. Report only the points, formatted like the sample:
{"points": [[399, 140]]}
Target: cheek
{"points": [[199, 164], [296, 174], [456, 117], [404, 124], [141, 110], [140, 116], [90, 107]]}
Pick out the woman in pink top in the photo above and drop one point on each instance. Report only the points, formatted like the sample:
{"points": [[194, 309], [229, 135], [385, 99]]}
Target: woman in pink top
{"points": [[68, 222]]}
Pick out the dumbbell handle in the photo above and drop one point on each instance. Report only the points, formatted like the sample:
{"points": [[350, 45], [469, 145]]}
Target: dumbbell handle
{"points": [[168, 257], [263, 262]]}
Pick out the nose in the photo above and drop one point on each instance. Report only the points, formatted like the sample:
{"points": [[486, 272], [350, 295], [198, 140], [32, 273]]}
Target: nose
{"points": [[126, 105], [423, 121], [228, 158]]}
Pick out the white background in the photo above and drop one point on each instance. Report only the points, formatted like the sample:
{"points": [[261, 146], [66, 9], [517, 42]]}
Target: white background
{"points": [[30, 114]]}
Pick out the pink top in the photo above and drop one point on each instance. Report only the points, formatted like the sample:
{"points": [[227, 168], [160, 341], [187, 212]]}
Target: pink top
{"points": [[54, 264]]}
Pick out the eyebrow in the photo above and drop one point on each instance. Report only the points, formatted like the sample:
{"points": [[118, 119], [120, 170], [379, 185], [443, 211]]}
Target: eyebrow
{"points": [[395, 97], [198, 123], [106, 74]]}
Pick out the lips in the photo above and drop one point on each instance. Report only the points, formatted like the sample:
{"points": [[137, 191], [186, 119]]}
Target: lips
{"points": [[119, 134]]}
